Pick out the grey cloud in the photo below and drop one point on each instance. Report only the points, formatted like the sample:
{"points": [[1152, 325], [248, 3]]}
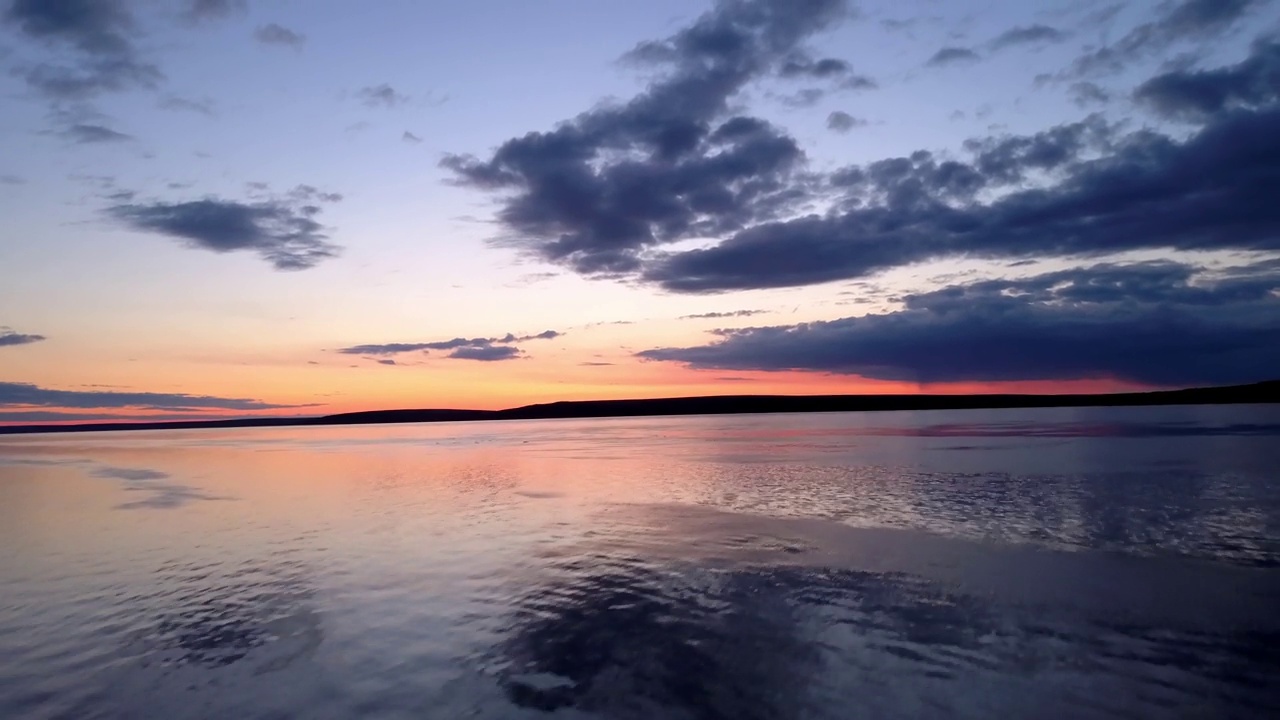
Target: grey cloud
{"points": [[283, 230], [381, 96], [274, 34], [1146, 323], [1106, 193], [1176, 22], [952, 56], [205, 10], [1199, 94], [806, 67], [100, 35], [173, 102], [1027, 35], [601, 188], [12, 180], [488, 353], [458, 343], [1084, 94], [735, 313], [86, 133], [18, 395], [410, 138], [805, 98], [842, 122], [386, 361], [9, 338]]}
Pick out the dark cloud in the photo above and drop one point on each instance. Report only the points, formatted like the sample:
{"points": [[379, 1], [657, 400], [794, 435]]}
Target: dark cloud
{"points": [[9, 338], [273, 34], [381, 96], [1199, 94], [410, 138], [1084, 94], [386, 361], [488, 353], [1176, 22], [173, 102], [802, 67], [670, 163], [595, 364], [842, 122], [952, 56], [735, 313], [805, 67], [1028, 35], [1154, 323], [1100, 192], [205, 10], [21, 395], [93, 41], [806, 98], [458, 343], [282, 229], [85, 133]]}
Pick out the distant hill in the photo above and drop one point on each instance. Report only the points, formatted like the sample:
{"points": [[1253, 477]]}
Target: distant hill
{"points": [[1263, 392]]}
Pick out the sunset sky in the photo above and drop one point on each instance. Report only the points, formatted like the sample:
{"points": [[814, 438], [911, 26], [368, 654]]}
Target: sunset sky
{"points": [[282, 207]]}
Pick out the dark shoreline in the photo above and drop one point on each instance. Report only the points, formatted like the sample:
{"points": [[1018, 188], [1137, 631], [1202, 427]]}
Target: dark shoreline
{"points": [[1264, 392]]}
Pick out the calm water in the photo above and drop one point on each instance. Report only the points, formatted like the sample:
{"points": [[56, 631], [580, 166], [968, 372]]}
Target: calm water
{"points": [[1049, 564]]}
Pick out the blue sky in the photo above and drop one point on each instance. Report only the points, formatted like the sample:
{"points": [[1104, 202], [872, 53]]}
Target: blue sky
{"points": [[473, 170]]}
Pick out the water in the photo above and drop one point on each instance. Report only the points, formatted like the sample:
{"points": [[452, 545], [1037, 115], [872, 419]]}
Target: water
{"points": [[1049, 563]]}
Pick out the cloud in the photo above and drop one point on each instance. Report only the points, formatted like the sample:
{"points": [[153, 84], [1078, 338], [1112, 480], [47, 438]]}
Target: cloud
{"points": [[92, 41], [386, 361], [173, 102], [952, 56], [1153, 323], [208, 10], [842, 122], [381, 96], [1096, 191], [12, 180], [410, 138], [669, 163], [610, 192], [455, 344], [735, 313], [805, 67], [85, 133], [283, 229], [488, 353], [21, 395], [1197, 95], [1176, 22], [1084, 94], [1027, 35], [806, 98], [273, 34], [10, 338]]}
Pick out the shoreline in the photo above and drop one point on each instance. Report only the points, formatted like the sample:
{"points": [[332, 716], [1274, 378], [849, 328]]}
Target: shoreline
{"points": [[1255, 393]]}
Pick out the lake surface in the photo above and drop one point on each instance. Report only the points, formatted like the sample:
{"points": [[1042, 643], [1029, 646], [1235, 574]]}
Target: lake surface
{"points": [[1065, 563]]}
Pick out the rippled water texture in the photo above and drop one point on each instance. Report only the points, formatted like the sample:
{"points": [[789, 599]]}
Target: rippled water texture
{"points": [[1004, 564]]}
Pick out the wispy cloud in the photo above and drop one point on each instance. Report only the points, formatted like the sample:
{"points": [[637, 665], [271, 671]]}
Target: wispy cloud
{"points": [[480, 348], [275, 34], [282, 229], [26, 395], [9, 338]]}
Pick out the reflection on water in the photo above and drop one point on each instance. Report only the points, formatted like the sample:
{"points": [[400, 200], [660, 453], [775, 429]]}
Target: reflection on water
{"points": [[1066, 563]]}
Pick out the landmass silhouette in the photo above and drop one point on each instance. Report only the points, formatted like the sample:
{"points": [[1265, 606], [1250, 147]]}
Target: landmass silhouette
{"points": [[1262, 392]]}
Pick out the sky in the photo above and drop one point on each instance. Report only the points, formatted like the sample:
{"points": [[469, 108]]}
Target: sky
{"points": [[222, 208]]}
